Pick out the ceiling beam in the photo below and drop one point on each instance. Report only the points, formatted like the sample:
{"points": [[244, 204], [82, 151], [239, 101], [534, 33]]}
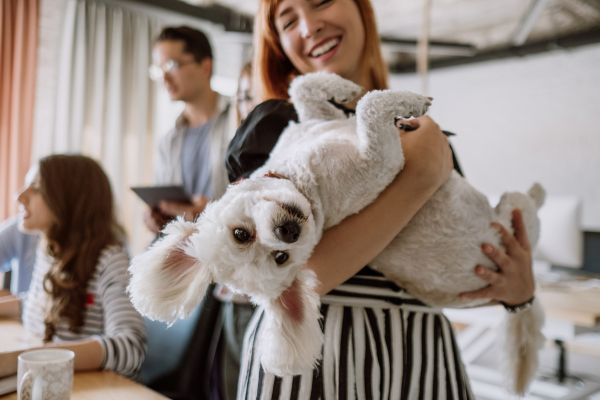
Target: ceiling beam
{"points": [[570, 41], [230, 19], [435, 48], [528, 22]]}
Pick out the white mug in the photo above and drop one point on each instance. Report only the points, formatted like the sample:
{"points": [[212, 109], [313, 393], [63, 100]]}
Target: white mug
{"points": [[45, 375]]}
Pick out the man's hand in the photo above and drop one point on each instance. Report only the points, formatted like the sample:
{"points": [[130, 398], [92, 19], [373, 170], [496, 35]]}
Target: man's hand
{"points": [[155, 221], [188, 211]]}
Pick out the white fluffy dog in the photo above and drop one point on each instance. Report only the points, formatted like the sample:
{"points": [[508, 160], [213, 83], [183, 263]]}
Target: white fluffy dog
{"points": [[258, 237]]}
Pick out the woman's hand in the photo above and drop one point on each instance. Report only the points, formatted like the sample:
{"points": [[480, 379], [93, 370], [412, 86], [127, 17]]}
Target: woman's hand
{"points": [[427, 152], [513, 283]]}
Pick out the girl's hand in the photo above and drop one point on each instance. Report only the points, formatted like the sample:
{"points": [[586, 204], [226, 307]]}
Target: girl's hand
{"points": [[513, 283], [427, 152]]}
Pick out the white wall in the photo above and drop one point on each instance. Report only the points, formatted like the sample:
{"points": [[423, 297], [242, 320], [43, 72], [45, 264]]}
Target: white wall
{"points": [[522, 120]]}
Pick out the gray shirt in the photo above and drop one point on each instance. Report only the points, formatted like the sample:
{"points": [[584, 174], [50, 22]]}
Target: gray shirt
{"points": [[196, 167]]}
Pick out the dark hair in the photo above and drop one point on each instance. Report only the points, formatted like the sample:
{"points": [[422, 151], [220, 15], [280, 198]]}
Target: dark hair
{"points": [[195, 42], [78, 193]]}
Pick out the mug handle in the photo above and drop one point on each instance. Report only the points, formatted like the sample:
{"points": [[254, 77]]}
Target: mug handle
{"points": [[26, 386]]}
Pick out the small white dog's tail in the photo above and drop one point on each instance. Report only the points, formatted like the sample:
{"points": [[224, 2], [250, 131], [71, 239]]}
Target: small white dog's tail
{"points": [[291, 339], [522, 339], [166, 282]]}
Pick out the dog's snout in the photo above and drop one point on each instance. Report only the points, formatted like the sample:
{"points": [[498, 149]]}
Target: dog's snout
{"points": [[288, 232]]}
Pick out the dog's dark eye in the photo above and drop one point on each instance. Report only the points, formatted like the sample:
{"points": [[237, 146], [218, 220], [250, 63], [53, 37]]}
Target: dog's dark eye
{"points": [[281, 257], [241, 235]]}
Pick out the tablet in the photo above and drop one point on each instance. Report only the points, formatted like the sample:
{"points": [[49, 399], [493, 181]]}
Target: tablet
{"points": [[152, 195]]}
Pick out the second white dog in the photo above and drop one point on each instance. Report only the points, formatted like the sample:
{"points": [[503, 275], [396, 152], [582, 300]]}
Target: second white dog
{"points": [[258, 237]]}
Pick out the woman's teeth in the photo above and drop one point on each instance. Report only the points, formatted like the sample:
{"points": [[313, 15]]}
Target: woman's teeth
{"points": [[319, 51]]}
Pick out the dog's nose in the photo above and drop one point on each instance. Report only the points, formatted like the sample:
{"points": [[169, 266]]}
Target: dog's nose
{"points": [[288, 232]]}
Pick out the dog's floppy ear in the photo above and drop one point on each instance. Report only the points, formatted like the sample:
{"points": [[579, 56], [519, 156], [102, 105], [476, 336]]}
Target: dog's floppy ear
{"points": [[291, 340], [166, 282]]}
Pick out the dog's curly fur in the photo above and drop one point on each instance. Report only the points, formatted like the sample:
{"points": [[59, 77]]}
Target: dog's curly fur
{"points": [[333, 166]]}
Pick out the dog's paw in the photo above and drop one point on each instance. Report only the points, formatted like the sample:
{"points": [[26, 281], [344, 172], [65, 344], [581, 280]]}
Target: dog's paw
{"points": [[324, 86], [414, 105]]}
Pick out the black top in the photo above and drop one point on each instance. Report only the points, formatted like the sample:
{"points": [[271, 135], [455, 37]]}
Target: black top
{"points": [[255, 138]]}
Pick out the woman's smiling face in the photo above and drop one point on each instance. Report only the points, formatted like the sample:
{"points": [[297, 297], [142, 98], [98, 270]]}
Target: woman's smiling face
{"points": [[322, 35]]}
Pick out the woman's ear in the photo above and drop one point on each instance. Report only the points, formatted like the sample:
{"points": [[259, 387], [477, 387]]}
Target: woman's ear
{"points": [[166, 282]]}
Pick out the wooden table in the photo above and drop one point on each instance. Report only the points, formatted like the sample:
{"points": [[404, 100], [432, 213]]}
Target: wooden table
{"points": [[580, 307], [104, 385], [99, 385]]}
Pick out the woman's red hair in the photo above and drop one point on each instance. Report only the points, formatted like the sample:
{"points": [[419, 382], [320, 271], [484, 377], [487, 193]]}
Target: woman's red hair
{"points": [[273, 71]]}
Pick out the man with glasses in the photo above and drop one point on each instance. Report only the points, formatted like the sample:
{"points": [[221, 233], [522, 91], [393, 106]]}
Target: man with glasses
{"points": [[192, 154]]}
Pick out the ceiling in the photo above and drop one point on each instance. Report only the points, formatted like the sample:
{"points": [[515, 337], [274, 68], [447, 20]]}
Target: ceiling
{"points": [[484, 26]]}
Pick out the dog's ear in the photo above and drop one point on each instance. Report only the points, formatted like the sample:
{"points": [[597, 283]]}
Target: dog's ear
{"points": [[291, 341], [166, 281]]}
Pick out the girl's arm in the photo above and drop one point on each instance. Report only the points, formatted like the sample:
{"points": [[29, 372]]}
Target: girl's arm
{"points": [[88, 356], [88, 352], [122, 346], [347, 247], [123, 343]]}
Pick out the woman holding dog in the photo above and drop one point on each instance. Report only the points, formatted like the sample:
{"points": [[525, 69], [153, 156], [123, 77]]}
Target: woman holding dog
{"points": [[77, 298], [400, 351]]}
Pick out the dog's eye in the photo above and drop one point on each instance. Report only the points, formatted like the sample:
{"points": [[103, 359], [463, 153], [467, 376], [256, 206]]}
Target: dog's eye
{"points": [[281, 257], [241, 235]]}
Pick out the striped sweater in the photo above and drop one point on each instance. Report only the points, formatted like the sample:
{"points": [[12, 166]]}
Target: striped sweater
{"points": [[109, 316]]}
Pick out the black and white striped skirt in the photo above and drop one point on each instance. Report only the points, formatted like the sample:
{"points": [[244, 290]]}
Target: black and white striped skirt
{"points": [[380, 343]]}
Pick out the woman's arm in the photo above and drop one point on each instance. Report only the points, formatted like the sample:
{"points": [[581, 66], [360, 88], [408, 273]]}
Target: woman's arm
{"points": [[88, 356], [347, 247], [123, 343]]}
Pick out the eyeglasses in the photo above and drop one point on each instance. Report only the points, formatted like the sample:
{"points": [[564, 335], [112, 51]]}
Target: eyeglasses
{"points": [[157, 72], [243, 97]]}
